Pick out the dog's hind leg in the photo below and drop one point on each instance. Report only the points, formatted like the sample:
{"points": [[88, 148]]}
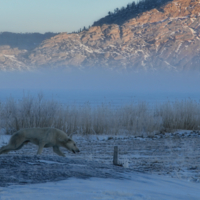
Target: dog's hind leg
{"points": [[26, 142], [6, 149], [57, 151], [41, 145], [15, 143]]}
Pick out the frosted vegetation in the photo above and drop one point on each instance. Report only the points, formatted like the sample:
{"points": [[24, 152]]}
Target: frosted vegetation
{"points": [[134, 119]]}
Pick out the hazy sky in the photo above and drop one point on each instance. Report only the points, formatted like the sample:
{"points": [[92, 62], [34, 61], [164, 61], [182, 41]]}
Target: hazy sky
{"points": [[53, 15]]}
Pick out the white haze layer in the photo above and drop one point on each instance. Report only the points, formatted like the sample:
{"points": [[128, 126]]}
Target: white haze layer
{"points": [[97, 85]]}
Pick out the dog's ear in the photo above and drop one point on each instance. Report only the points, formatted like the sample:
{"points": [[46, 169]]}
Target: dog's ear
{"points": [[68, 140], [64, 140]]}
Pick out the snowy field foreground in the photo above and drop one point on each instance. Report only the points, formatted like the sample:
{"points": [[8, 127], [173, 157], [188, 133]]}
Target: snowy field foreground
{"points": [[163, 167], [140, 187]]}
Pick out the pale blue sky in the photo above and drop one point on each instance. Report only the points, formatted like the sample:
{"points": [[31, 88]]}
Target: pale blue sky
{"points": [[53, 15]]}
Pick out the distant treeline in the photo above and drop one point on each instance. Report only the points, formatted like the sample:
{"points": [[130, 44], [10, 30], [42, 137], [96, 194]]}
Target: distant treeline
{"points": [[24, 40], [121, 15]]}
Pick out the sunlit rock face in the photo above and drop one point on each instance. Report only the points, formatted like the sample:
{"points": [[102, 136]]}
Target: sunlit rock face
{"points": [[166, 37], [11, 59]]}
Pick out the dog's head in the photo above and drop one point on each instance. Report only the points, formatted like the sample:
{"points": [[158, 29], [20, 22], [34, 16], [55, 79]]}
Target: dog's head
{"points": [[71, 145]]}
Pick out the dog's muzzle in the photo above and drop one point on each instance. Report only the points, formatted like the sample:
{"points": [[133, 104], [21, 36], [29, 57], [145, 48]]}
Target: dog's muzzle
{"points": [[75, 151]]}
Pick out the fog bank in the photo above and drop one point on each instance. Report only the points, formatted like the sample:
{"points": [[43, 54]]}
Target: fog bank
{"points": [[101, 80], [96, 86]]}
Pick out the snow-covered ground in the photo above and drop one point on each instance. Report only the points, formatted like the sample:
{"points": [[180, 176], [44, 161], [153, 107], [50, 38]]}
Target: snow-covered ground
{"points": [[164, 167], [140, 187]]}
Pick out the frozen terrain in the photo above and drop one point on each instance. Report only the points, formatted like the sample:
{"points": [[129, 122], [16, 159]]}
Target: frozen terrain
{"points": [[173, 155], [163, 167], [139, 187]]}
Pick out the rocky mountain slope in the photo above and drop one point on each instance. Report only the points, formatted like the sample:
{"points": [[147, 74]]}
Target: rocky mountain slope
{"points": [[166, 37]]}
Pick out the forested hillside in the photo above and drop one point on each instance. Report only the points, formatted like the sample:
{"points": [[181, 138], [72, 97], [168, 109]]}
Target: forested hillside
{"points": [[121, 15]]}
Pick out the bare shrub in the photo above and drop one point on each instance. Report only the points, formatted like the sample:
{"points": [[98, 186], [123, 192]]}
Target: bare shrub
{"points": [[139, 118], [28, 112], [180, 115]]}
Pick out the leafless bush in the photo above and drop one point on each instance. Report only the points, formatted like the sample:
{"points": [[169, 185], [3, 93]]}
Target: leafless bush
{"points": [[140, 118], [180, 115], [28, 112]]}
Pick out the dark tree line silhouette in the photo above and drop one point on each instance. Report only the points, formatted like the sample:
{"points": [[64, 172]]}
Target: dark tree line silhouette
{"points": [[119, 16], [82, 29]]}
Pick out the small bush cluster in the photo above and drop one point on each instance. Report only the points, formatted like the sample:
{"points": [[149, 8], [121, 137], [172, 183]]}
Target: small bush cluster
{"points": [[137, 119]]}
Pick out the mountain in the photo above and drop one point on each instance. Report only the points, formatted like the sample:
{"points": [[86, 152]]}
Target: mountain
{"points": [[14, 48], [164, 35]]}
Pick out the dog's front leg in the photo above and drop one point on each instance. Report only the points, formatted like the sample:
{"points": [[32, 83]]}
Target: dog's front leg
{"points": [[41, 146], [57, 150]]}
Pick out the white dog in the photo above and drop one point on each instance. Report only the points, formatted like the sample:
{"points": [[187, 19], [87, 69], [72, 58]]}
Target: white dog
{"points": [[43, 137]]}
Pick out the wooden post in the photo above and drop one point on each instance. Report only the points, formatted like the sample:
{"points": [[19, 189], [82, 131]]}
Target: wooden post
{"points": [[115, 156]]}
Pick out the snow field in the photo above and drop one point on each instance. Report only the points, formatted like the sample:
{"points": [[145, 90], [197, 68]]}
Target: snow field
{"points": [[140, 187], [173, 155]]}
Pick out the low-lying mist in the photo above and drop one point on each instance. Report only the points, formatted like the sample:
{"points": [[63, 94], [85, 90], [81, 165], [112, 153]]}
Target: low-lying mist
{"points": [[98, 85], [101, 80]]}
